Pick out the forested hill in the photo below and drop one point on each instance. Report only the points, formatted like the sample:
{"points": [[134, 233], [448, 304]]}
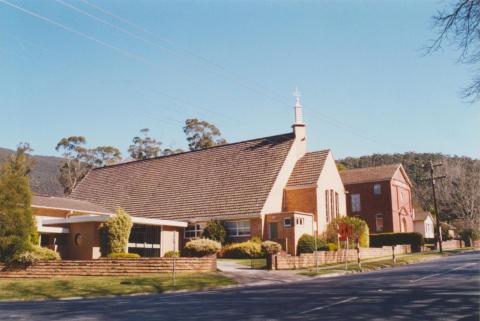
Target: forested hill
{"points": [[458, 194], [44, 174]]}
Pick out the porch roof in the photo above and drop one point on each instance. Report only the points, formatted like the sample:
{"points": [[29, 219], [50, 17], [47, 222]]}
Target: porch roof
{"points": [[67, 204]]}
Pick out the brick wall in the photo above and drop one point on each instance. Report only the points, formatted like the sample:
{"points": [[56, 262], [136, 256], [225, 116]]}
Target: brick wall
{"points": [[452, 244], [284, 262], [110, 267]]}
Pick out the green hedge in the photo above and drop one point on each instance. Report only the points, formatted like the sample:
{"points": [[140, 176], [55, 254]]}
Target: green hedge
{"points": [[306, 244], [415, 240]]}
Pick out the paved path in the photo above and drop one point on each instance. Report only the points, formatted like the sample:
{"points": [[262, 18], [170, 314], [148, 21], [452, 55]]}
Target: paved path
{"points": [[443, 289], [248, 276]]}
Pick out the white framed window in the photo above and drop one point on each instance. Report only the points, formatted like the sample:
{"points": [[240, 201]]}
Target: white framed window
{"points": [[377, 189], [237, 228], [337, 209], [356, 207], [287, 222], [379, 222], [327, 205], [299, 221], [194, 230]]}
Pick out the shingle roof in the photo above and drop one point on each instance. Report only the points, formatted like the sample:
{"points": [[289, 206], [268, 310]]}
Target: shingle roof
{"points": [[308, 169], [66, 204], [233, 179], [369, 174]]}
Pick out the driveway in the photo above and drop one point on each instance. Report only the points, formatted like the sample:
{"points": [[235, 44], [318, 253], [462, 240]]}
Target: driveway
{"points": [[248, 276], [443, 289]]}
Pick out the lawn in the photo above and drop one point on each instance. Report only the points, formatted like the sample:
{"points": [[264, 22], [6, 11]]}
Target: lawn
{"points": [[255, 263], [28, 289]]}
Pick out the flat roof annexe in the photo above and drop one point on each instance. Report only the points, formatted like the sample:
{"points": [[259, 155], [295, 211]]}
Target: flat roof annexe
{"points": [[104, 218]]}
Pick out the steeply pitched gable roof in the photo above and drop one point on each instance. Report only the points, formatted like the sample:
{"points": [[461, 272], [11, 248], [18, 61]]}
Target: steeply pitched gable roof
{"points": [[233, 179], [369, 174], [308, 169]]}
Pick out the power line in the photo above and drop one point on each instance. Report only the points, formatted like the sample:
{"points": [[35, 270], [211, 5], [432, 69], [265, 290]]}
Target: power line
{"points": [[265, 92]]}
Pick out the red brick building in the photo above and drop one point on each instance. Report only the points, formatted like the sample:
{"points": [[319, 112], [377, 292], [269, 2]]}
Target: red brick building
{"points": [[382, 196]]}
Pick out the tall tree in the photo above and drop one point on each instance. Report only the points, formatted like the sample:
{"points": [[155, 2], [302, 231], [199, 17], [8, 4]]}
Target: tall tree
{"points": [[79, 160], [201, 134], [144, 146], [459, 25], [171, 151], [16, 219], [103, 156], [75, 166]]}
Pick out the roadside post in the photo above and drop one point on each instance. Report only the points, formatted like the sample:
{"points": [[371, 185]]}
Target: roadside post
{"points": [[174, 258], [315, 240]]}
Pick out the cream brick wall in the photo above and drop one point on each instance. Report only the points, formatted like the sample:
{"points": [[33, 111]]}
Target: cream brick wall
{"points": [[329, 179]]}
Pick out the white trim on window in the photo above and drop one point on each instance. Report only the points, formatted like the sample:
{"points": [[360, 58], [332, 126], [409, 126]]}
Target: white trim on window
{"points": [[377, 189], [379, 222], [287, 222], [238, 228], [356, 206], [193, 230]]}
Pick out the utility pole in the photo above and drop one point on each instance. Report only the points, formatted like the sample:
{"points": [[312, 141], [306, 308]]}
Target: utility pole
{"points": [[432, 180]]}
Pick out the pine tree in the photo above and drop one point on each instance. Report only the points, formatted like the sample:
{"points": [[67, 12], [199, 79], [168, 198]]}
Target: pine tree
{"points": [[17, 227]]}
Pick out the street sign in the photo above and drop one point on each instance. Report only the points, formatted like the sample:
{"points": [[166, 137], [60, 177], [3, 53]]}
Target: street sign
{"points": [[344, 231]]}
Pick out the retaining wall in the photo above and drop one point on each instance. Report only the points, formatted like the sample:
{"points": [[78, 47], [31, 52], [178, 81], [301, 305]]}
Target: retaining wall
{"points": [[283, 262], [110, 267]]}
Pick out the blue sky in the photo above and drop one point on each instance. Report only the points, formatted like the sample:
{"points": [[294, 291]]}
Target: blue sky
{"points": [[366, 85]]}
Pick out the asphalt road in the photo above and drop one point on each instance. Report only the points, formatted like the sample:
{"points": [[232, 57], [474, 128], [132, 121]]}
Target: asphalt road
{"points": [[444, 289]]}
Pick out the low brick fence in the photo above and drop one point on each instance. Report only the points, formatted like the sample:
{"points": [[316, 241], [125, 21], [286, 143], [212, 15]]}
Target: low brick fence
{"points": [[110, 267], [452, 244], [283, 261]]}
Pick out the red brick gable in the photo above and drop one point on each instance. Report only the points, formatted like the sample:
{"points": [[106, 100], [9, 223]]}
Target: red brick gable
{"points": [[233, 179]]}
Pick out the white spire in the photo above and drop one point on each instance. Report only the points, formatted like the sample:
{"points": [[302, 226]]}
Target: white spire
{"points": [[298, 108]]}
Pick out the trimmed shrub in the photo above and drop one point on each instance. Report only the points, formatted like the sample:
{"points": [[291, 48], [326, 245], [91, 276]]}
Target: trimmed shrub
{"points": [[215, 231], [415, 240], [115, 232], [123, 255], [172, 254], [469, 235], [306, 244], [34, 254], [256, 239], [330, 247], [201, 247], [271, 248], [244, 250], [360, 231]]}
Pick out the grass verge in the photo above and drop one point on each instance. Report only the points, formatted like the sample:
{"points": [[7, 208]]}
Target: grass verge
{"points": [[255, 263], [377, 264], [29, 289]]}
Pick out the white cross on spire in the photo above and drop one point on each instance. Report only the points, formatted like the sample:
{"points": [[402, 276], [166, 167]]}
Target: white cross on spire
{"points": [[298, 108], [297, 95]]}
